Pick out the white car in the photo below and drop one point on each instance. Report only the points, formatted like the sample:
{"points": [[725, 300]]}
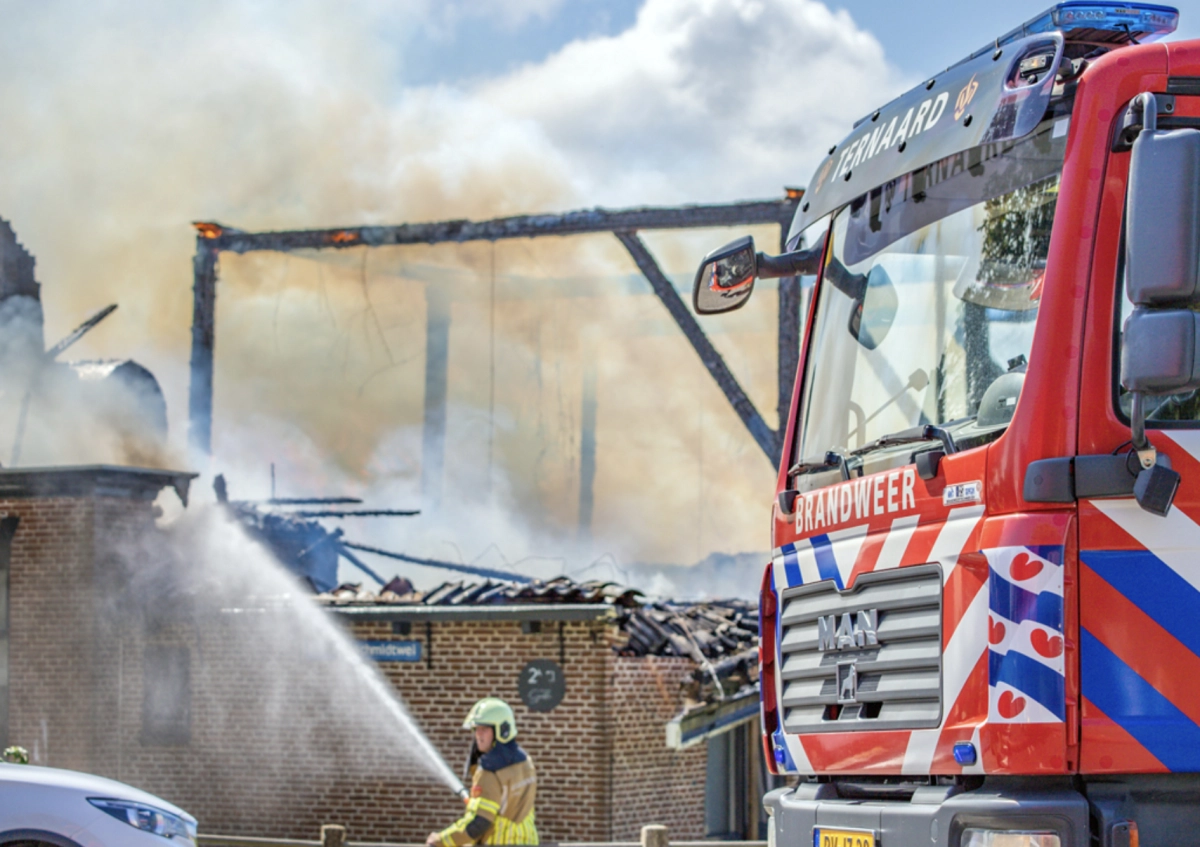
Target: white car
{"points": [[48, 807]]}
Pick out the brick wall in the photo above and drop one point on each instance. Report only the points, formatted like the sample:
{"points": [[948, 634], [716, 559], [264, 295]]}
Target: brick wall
{"points": [[274, 745], [66, 554], [568, 745], [651, 783], [597, 753], [51, 620]]}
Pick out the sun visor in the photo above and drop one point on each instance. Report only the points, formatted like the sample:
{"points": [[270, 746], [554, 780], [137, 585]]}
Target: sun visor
{"points": [[998, 96]]}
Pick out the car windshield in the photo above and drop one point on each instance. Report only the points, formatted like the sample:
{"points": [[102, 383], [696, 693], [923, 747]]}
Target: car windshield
{"points": [[930, 293]]}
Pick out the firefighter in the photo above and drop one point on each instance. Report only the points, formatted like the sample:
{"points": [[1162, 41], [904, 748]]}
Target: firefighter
{"points": [[503, 784]]}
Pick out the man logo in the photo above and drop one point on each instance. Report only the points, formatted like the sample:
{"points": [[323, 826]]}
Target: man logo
{"points": [[847, 683], [965, 97], [848, 633]]}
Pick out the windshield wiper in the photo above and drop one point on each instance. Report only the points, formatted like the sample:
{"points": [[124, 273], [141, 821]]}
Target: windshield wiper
{"points": [[832, 459], [849, 463], [926, 432]]}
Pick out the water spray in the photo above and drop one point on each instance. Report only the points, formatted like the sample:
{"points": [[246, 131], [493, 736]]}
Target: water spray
{"points": [[210, 535]]}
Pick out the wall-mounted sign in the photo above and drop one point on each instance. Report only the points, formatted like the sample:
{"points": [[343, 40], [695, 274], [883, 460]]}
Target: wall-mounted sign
{"points": [[392, 651], [542, 685]]}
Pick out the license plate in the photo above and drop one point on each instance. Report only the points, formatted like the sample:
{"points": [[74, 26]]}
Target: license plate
{"points": [[826, 837]]}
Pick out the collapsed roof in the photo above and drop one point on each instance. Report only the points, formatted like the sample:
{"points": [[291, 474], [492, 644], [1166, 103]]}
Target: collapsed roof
{"points": [[699, 630], [720, 637]]}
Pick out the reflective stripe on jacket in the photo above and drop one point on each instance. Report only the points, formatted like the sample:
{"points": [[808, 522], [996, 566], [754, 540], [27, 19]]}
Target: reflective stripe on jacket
{"points": [[500, 808]]}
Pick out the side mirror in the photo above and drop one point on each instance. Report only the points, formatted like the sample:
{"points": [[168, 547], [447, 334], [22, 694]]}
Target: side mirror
{"points": [[1161, 353], [1162, 240], [875, 310], [726, 278]]}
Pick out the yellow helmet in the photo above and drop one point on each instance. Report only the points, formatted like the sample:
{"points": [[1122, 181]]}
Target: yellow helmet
{"points": [[493, 712]]}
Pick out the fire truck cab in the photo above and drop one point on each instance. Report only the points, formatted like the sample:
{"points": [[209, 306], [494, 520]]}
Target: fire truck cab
{"points": [[981, 623]]}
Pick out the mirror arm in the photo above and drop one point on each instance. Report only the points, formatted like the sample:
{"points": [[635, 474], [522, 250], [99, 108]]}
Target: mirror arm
{"points": [[852, 285], [796, 263], [1137, 427], [1147, 104], [1156, 483]]}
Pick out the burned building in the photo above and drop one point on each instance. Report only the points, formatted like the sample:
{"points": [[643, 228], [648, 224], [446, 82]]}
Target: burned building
{"points": [[156, 655], [53, 411]]}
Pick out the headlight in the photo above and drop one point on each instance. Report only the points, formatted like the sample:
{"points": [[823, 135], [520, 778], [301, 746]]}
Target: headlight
{"points": [[1008, 838], [149, 819]]}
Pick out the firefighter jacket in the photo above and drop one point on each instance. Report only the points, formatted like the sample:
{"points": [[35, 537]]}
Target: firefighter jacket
{"points": [[500, 808]]}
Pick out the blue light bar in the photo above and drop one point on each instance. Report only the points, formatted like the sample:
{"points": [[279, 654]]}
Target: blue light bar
{"points": [[964, 753], [1139, 20], [1104, 26]]}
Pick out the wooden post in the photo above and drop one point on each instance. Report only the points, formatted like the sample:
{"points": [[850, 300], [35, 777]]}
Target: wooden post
{"points": [[437, 358], [204, 330], [334, 835], [654, 835]]}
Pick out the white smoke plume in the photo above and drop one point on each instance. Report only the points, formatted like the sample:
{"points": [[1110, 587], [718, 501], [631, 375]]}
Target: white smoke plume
{"points": [[126, 121]]}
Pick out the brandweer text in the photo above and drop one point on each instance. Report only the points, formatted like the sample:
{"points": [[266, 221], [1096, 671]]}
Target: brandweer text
{"points": [[858, 499]]}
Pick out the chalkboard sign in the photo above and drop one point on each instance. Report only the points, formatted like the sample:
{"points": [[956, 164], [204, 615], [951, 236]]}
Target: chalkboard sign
{"points": [[542, 685]]}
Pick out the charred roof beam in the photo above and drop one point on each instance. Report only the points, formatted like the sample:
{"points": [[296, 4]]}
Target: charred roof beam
{"points": [[213, 238], [473, 570], [713, 362], [357, 513], [220, 238]]}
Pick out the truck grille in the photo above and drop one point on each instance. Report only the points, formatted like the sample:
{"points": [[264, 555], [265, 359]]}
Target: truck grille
{"points": [[896, 653]]}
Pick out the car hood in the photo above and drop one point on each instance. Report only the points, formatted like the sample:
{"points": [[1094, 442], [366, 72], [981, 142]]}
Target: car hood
{"points": [[87, 784]]}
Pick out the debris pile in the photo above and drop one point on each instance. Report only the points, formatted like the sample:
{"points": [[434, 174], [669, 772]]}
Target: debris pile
{"points": [[304, 546], [492, 592], [720, 636], [290, 528]]}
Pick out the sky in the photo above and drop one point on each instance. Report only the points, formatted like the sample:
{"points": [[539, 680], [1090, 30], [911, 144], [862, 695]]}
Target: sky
{"points": [[918, 38], [126, 121]]}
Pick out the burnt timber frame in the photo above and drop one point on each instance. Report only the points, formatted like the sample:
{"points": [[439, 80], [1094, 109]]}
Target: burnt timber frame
{"points": [[212, 239]]}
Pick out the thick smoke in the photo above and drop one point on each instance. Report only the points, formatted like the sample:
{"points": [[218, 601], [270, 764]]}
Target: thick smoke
{"points": [[52, 412], [137, 119]]}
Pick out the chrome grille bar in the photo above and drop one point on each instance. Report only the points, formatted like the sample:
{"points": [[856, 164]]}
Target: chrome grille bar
{"points": [[898, 681]]}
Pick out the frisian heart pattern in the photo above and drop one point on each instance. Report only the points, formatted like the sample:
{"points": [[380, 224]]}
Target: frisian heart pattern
{"points": [[1026, 583], [1010, 705], [1024, 567], [1049, 646]]}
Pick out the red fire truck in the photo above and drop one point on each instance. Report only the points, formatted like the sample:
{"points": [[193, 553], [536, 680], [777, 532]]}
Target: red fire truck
{"points": [[981, 621]]}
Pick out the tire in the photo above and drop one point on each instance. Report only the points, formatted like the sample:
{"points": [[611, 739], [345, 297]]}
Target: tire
{"points": [[33, 838]]}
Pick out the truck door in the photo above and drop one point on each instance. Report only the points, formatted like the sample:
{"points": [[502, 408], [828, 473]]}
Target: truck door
{"points": [[1139, 574]]}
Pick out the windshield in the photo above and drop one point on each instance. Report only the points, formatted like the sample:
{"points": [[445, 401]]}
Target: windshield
{"points": [[929, 295]]}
